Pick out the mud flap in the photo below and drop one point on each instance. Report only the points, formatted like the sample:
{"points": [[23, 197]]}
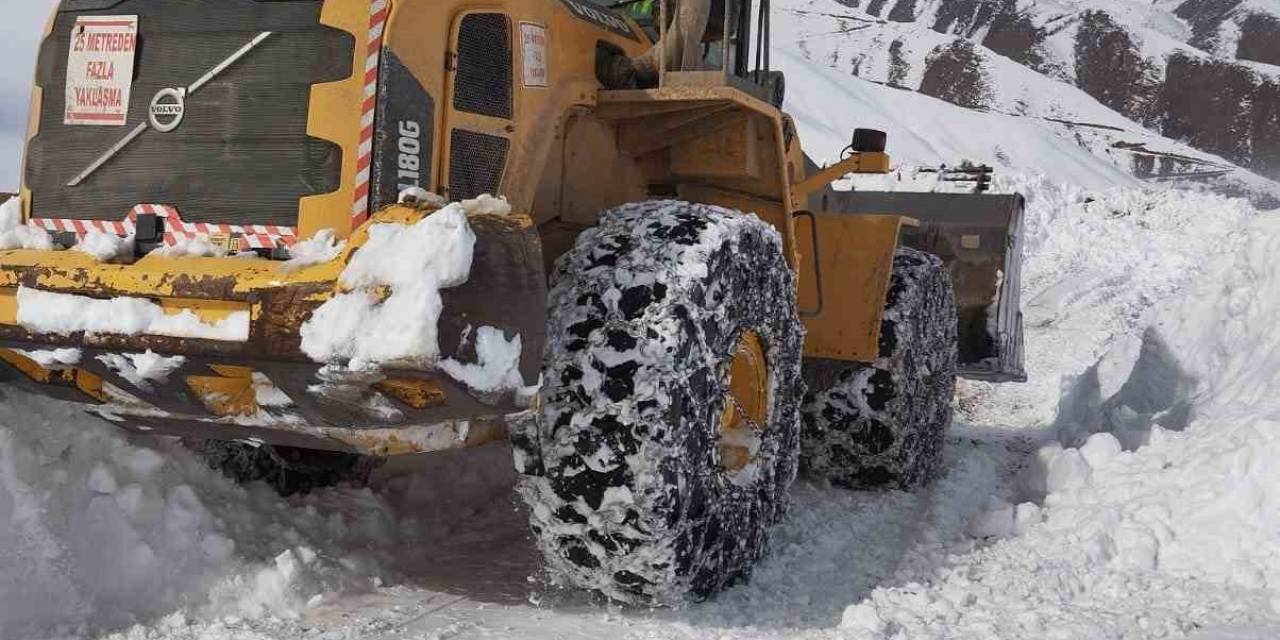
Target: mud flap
{"points": [[980, 237]]}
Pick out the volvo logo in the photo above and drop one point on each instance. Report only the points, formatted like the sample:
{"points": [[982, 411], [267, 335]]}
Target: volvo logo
{"points": [[167, 109]]}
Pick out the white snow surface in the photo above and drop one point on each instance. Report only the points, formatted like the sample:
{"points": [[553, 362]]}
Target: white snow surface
{"points": [[318, 249], [196, 246], [102, 534], [497, 366], [420, 196], [487, 204], [16, 235], [106, 247], [413, 262], [142, 369], [842, 69], [53, 358], [64, 313]]}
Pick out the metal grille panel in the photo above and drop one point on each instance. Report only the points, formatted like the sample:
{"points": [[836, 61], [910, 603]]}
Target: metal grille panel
{"points": [[241, 155], [476, 162], [483, 81]]}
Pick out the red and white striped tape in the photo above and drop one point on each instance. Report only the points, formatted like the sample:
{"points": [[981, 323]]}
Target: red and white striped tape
{"points": [[378, 11], [252, 236]]}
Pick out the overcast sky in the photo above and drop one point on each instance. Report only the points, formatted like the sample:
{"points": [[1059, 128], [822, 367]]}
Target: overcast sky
{"points": [[21, 25]]}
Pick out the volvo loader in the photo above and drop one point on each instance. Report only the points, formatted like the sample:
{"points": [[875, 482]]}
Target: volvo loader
{"points": [[228, 232]]}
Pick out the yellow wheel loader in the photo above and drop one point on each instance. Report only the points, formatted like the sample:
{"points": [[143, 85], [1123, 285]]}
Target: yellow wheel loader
{"points": [[229, 231]]}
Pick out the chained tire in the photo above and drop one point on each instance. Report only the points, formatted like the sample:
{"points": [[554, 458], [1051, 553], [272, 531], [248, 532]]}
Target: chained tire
{"points": [[669, 429], [883, 424], [288, 470]]}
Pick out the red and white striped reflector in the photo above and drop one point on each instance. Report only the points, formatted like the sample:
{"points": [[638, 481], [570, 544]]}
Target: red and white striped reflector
{"points": [[252, 236], [378, 11]]}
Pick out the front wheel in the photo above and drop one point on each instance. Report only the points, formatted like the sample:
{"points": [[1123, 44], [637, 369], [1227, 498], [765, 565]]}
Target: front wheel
{"points": [[882, 424], [669, 430]]}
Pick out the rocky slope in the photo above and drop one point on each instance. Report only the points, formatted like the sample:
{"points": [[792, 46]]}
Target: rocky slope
{"points": [[1198, 71]]}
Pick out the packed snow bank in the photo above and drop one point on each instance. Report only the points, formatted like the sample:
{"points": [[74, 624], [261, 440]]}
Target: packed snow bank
{"points": [[414, 262], [1155, 311], [100, 534], [1096, 265], [1210, 356], [64, 313]]}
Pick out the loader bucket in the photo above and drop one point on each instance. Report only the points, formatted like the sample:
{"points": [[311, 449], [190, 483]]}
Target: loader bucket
{"points": [[979, 236]]}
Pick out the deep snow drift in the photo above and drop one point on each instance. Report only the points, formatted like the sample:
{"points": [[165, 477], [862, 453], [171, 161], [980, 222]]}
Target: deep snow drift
{"points": [[99, 533]]}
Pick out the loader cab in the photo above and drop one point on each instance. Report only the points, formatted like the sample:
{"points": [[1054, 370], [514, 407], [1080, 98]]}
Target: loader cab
{"points": [[730, 56]]}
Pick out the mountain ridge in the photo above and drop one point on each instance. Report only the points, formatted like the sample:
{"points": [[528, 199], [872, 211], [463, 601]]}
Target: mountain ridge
{"points": [[1159, 89]]}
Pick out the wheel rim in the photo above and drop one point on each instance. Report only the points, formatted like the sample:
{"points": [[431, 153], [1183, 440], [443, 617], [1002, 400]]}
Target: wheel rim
{"points": [[746, 406]]}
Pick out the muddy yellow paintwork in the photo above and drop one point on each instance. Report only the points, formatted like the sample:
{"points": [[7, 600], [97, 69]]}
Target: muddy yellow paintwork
{"points": [[163, 278], [855, 257], [225, 396], [415, 392], [88, 384]]}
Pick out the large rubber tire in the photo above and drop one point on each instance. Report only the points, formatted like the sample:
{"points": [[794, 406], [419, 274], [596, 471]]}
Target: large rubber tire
{"points": [[628, 496], [288, 470], [883, 424]]}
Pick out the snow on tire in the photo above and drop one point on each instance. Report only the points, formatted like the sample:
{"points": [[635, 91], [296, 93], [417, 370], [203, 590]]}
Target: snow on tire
{"points": [[625, 474], [883, 423]]}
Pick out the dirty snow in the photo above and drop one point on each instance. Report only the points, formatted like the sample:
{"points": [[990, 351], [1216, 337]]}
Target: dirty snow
{"points": [[420, 196], [65, 314], [267, 394], [413, 262]]}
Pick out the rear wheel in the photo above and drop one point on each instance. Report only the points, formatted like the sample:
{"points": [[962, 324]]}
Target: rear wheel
{"points": [[883, 424], [669, 430]]}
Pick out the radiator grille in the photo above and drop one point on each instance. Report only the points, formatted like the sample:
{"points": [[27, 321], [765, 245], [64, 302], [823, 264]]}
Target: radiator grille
{"points": [[242, 154], [483, 81], [476, 161]]}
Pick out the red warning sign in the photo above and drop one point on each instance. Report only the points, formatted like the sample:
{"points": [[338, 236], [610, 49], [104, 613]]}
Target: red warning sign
{"points": [[100, 70], [533, 52]]}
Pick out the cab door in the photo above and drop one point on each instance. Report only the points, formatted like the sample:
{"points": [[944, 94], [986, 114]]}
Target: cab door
{"points": [[480, 105]]}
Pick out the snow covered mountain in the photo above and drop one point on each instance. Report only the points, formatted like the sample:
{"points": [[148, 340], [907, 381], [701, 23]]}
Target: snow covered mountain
{"points": [[1167, 90]]}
